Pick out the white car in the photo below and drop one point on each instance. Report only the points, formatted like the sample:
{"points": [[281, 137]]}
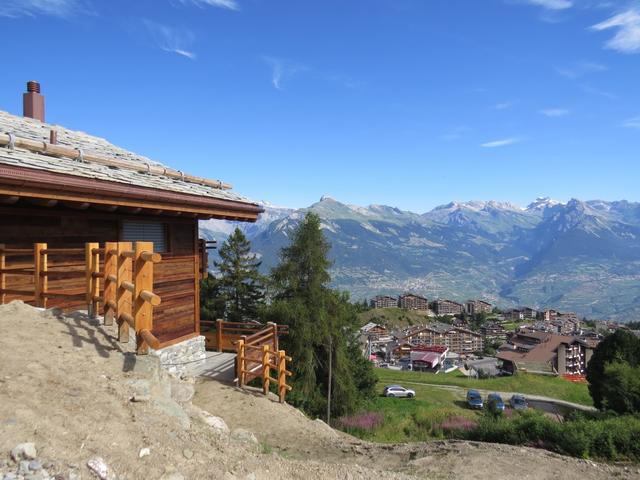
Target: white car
{"points": [[398, 391]]}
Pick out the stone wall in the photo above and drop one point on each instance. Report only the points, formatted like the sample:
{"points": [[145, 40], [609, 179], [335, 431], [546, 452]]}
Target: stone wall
{"points": [[183, 356]]}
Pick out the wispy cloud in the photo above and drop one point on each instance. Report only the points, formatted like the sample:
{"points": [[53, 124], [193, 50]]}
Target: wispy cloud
{"points": [[171, 39], [627, 36], [501, 143], [32, 8], [591, 90], [503, 105], [228, 4], [580, 69], [554, 112], [548, 4], [283, 70], [633, 122]]}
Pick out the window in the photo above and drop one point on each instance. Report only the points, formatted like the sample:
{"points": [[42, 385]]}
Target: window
{"points": [[146, 232]]}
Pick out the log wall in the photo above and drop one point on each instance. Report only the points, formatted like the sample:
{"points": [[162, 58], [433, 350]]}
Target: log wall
{"points": [[176, 277]]}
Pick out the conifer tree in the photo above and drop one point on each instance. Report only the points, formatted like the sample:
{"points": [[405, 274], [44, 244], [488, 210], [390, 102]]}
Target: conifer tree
{"points": [[241, 284], [322, 326]]}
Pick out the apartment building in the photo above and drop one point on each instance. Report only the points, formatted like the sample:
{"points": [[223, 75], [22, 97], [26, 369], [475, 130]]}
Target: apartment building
{"points": [[474, 307], [384, 301], [413, 302], [447, 307], [493, 332], [458, 340], [545, 353]]}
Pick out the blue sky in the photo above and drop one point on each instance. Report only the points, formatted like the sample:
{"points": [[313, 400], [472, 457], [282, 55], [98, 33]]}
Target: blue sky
{"points": [[410, 103]]}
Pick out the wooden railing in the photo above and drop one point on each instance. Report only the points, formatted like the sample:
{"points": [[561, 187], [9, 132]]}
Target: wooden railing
{"points": [[258, 354], [224, 336], [128, 283]]}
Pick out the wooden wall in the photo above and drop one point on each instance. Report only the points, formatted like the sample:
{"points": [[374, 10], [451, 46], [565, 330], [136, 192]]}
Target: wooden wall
{"points": [[175, 278]]}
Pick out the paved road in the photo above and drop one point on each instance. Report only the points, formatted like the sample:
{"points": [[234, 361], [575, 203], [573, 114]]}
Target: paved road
{"points": [[548, 404]]}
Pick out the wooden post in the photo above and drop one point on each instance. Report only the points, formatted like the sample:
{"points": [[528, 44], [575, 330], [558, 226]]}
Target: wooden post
{"points": [[142, 280], [265, 369], [282, 375], [92, 265], [241, 362], [123, 296], [274, 326], [110, 281], [40, 281], [3, 278], [219, 324]]}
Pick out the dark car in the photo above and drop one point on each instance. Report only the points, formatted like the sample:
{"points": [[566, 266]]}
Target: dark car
{"points": [[518, 402], [474, 400], [494, 402]]}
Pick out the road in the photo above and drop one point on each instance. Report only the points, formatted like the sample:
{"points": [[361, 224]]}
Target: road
{"points": [[547, 404]]}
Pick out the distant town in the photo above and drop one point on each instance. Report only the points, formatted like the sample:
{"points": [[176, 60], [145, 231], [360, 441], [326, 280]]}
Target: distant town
{"points": [[481, 339]]}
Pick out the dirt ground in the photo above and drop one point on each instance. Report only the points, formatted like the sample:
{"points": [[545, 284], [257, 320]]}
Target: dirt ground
{"points": [[67, 386]]}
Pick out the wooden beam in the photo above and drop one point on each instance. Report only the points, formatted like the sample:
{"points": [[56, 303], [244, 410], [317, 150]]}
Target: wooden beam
{"points": [[93, 283], [143, 280], [133, 210], [110, 281], [106, 208], [40, 281], [28, 192], [76, 205], [123, 296], [9, 200], [44, 202]]}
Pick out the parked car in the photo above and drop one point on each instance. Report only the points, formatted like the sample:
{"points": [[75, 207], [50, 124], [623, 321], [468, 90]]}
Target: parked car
{"points": [[474, 400], [494, 402], [518, 402], [398, 391]]}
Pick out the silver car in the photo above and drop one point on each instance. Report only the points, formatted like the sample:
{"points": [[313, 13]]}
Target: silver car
{"points": [[398, 391]]}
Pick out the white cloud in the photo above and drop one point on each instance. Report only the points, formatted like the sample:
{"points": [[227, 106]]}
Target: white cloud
{"points": [[580, 69], [591, 90], [550, 4], [503, 105], [500, 143], [171, 39], [282, 70], [627, 36], [31, 8], [632, 123], [228, 4], [554, 112]]}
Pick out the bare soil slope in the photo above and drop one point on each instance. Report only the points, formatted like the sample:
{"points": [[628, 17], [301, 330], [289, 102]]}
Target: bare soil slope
{"points": [[67, 386]]}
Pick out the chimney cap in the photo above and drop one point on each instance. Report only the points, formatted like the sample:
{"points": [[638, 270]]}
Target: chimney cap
{"points": [[33, 86]]}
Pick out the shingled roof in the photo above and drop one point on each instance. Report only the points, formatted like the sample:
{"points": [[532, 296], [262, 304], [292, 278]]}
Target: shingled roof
{"points": [[31, 129]]}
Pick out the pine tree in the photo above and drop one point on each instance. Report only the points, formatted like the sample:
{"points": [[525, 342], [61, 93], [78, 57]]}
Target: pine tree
{"points": [[240, 281], [322, 326], [212, 304]]}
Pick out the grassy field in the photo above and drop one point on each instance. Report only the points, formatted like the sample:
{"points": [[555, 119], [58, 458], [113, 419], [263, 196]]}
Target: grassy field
{"points": [[414, 419], [553, 387]]}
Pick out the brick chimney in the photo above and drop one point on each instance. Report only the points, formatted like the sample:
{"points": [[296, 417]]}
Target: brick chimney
{"points": [[33, 102]]}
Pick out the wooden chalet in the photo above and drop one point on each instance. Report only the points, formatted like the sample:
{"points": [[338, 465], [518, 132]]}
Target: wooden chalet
{"points": [[66, 188]]}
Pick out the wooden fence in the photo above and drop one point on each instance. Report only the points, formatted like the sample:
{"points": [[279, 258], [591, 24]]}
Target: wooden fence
{"points": [[127, 296], [258, 354], [224, 336]]}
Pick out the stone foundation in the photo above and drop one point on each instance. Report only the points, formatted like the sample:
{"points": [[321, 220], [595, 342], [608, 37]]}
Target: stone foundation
{"points": [[181, 357]]}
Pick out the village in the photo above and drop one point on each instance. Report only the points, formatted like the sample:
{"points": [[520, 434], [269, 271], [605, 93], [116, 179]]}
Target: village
{"points": [[481, 340]]}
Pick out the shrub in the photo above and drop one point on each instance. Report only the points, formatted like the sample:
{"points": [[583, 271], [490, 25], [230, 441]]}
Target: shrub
{"points": [[363, 421]]}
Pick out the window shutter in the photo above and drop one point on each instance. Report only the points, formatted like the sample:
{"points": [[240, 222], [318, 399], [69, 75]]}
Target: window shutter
{"points": [[146, 232]]}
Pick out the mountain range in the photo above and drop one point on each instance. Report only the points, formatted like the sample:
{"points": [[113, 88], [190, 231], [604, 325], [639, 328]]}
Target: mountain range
{"points": [[581, 256]]}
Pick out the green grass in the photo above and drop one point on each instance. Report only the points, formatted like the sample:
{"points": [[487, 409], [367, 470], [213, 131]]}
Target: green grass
{"points": [[547, 386], [415, 419]]}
